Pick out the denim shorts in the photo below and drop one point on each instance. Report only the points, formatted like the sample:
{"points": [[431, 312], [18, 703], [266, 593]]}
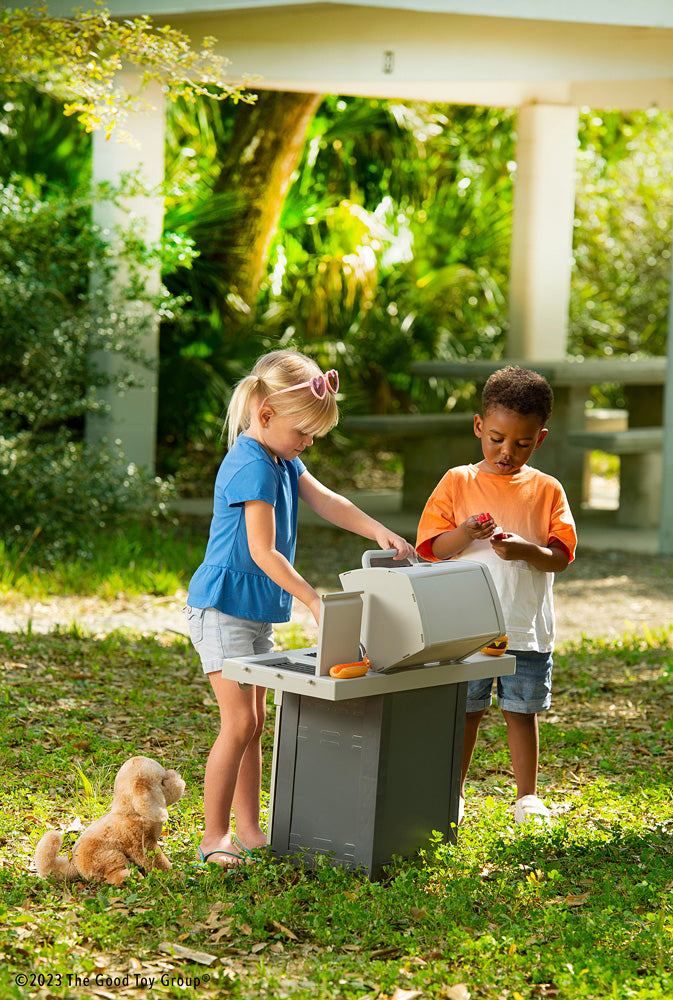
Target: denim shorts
{"points": [[216, 636], [527, 691]]}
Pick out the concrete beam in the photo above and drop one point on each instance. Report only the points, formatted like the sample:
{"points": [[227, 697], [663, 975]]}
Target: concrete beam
{"points": [[444, 56]]}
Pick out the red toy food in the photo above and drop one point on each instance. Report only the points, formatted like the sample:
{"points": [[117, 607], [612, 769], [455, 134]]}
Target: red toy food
{"points": [[497, 647], [499, 533], [483, 518]]}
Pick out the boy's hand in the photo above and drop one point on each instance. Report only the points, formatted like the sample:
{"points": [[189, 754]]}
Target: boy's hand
{"points": [[551, 558], [478, 526], [510, 547]]}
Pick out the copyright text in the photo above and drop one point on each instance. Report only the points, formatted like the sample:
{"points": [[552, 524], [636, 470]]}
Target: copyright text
{"points": [[134, 979]]}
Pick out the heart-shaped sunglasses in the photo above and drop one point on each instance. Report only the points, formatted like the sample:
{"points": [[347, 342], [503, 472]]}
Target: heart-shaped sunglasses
{"points": [[319, 385]]}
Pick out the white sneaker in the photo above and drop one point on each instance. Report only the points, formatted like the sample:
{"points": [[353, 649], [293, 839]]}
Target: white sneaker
{"points": [[530, 807]]}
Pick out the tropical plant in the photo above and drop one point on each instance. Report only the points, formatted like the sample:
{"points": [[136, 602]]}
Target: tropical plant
{"points": [[206, 349], [419, 270], [39, 141], [623, 234]]}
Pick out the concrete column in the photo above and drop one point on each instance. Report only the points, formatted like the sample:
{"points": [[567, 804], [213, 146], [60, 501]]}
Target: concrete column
{"points": [[666, 522], [542, 232], [132, 415]]}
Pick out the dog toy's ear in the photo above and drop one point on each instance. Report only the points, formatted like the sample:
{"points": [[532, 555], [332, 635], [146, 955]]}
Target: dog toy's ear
{"points": [[148, 800], [173, 786]]}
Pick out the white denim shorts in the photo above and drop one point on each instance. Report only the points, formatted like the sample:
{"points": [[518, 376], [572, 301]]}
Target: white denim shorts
{"points": [[216, 636]]}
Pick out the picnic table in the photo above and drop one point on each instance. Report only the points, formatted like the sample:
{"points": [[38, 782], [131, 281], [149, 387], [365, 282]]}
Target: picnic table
{"points": [[640, 446]]}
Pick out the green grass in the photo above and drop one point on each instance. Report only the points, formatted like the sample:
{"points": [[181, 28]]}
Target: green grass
{"points": [[140, 558], [156, 557], [582, 909]]}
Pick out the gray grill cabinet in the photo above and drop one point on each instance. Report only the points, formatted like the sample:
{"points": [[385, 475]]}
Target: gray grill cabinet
{"points": [[366, 768]]}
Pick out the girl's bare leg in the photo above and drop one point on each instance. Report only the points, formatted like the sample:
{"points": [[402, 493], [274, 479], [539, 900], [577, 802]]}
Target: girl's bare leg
{"points": [[238, 725], [249, 785]]}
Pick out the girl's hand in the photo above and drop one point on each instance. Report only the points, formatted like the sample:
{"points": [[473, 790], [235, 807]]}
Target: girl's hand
{"points": [[389, 540], [314, 607]]}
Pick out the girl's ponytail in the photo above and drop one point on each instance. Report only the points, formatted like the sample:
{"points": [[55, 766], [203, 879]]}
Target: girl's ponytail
{"points": [[238, 411]]}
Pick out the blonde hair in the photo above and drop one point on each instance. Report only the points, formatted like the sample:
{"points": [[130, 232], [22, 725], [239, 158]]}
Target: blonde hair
{"points": [[281, 370]]}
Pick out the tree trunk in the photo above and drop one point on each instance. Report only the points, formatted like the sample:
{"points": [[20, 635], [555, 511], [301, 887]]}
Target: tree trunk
{"points": [[260, 160]]}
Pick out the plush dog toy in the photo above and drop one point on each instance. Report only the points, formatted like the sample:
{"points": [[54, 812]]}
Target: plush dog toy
{"points": [[128, 833]]}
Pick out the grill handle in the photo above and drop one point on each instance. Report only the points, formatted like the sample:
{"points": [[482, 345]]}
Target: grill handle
{"points": [[385, 558]]}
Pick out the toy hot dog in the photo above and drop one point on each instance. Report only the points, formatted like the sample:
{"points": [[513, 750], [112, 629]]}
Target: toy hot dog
{"points": [[357, 669]]}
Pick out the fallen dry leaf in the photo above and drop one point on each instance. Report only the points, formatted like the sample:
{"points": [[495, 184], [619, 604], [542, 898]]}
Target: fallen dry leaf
{"points": [[577, 899], [200, 957], [405, 994], [223, 931], [285, 930], [458, 991], [215, 911]]}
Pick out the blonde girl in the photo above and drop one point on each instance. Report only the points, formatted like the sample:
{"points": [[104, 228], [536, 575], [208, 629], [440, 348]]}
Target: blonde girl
{"points": [[247, 579]]}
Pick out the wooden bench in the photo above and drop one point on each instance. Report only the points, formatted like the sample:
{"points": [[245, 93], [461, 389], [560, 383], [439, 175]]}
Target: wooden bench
{"points": [[640, 451], [430, 443]]}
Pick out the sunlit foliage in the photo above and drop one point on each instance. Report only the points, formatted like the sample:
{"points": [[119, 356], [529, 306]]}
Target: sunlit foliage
{"points": [[77, 58]]}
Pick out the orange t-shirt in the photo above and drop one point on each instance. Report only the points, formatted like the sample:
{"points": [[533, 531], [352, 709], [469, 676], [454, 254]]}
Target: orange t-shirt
{"points": [[528, 503]]}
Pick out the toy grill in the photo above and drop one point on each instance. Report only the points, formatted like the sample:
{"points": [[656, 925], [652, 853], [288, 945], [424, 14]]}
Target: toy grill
{"points": [[366, 768]]}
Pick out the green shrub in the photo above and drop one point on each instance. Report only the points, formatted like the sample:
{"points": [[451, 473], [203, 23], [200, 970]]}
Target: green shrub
{"points": [[55, 491]]}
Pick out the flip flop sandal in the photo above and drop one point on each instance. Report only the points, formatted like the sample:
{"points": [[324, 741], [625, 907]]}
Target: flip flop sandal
{"points": [[530, 807], [242, 846], [256, 852], [241, 863]]}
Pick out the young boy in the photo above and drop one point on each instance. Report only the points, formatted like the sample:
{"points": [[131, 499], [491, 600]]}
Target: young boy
{"points": [[539, 541]]}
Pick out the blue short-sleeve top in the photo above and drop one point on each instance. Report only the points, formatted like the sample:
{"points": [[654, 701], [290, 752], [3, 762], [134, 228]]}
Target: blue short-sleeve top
{"points": [[228, 579]]}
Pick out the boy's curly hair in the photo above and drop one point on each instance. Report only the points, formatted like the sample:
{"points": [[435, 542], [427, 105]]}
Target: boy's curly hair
{"points": [[520, 390]]}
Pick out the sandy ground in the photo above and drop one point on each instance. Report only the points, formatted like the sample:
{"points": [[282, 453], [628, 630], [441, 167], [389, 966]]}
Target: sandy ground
{"points": [[607, 594], [602, 594], [144, 613]]}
